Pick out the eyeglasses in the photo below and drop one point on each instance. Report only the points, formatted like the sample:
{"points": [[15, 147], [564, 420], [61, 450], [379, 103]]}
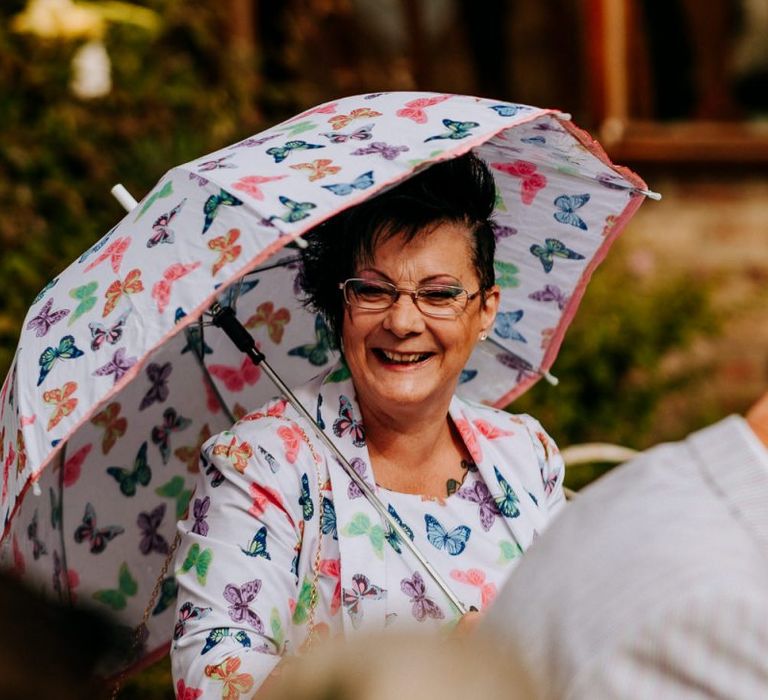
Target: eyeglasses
{"points": [[437, 300]]}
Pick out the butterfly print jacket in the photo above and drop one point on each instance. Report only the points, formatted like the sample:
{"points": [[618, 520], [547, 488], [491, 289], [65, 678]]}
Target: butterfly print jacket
{"points": [[275, 521]]}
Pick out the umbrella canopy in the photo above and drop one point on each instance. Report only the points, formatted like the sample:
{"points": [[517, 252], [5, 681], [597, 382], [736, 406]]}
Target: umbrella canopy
{"points": [[118, 379]]}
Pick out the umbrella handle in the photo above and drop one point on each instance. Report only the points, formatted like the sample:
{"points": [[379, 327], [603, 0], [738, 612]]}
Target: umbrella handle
{"points": [[224, 318]]}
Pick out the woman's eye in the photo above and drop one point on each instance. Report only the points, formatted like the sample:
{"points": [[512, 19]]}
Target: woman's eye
{"points": [[439, 294]]}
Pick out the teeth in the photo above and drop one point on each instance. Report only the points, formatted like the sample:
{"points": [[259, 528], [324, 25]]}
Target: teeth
{"points": [[403, 357]]}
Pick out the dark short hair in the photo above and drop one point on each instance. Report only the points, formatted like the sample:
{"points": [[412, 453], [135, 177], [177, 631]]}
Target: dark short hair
{"points": [[460, 190]]}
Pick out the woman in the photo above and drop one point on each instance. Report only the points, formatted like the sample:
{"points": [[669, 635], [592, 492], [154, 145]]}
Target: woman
{"points": [[280, 546]]}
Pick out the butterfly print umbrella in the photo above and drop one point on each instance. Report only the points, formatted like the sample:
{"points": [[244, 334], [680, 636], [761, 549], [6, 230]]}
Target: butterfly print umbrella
{"points": [[119, 377]]}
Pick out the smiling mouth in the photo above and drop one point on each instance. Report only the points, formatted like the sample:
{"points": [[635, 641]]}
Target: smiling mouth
{"points": [[402, 358]]}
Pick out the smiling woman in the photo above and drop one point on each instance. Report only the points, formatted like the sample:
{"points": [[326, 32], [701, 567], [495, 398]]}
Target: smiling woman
{"points": [[406, 283]]}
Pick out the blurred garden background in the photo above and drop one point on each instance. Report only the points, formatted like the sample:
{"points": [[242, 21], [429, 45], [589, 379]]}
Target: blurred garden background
{"points": [[673, 331]]}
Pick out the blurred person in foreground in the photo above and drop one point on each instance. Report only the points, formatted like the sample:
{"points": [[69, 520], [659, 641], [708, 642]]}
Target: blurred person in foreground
{"points": [[654, 582], [280, 546]]}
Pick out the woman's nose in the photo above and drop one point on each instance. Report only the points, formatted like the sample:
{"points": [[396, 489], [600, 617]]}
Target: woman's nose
{"points": [[403, 317]]}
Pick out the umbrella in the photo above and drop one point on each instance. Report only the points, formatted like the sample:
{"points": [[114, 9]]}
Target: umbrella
{"points": [[119, 376]]}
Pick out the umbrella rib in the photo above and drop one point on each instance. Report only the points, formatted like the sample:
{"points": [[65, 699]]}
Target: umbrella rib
{"points": [[199, 353], [64, 568]]}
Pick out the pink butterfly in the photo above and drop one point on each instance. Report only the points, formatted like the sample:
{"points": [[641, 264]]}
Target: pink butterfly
{"points": [[415, 108], [264, 496], [250, 184], [347, 423], [114, 252], [236, 378], [329, 108], [476, 577], [352, 597], [42, 323], [275, 408], [161, 232], [492, 432], [161, 290], [332, 569], [73, 465], [469, 437], [292, 438], [532, 181]]}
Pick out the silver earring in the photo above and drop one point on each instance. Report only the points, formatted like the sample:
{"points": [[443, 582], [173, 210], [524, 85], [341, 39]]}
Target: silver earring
{"points": [[483, 336]]}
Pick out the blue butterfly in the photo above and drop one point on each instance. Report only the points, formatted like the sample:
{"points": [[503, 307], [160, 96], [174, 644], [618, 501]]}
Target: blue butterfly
{"points": [[280, 153], [456, 130], [508, 502], [329, 519], [504, 326], [258, 545], [568, 205], [42, 292], [392, 537], [235, 291], [296, 210], [452, 542], [554, 248], [467, 375], [319, 420], [347, 423], [217, 636], [212, 204], [129, 480], [305, 500], [94, 248], [194, 335], [534, 140], [67, 350], [507, 110], [316, 353], [362, 182], [274, 465]]}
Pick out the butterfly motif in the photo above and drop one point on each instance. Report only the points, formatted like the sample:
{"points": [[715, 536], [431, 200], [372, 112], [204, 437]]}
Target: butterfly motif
{"points": [[567, 206], [165, 191], [236, 291], [507, 502], [175, 489], [509, 551], [274, 465], [100, 334], [293, 437], [361, 526], [414, 109], [42, 323], [476, 577], [456, 130], [199, 560], [114, 252], [161, 290], [300, 128], [380, 148], [362, 182], [158, 392], [211, 471], [151, 539], [305, 499], [296, 210], [342, 120], [253, 142], [66, 350], [316, 353], [217, 635], [391, 536], [188, 611], [347, 423], [489, 430], [353, 490], [264, 496], [228, 251], [238, 453], [239, 598], [117, 366], [361, 134], [169, 590], [55, 509], [84, 295], [531, 180], [352, 598], [480, 494], [553, 248], [507, 110], [500, 231], [275, 321], [117, 598], [452, 542], [63, 402], [328, 519], [504, 326], [515, 362], [422, 607], [506, 274], [234, 683], [161, 434], [280, 153], [194, 335], [251, 185], [318, 169], [467, 375], [57, 571], [200, 513], [131, 285], [551, 292], [534, 140], [74, 464], [469, 437], [161, 231], [49, 285], [236, 378], [212, 205], [96, 538], [258, 545], [215, 164], [141, 474], [38, 546]]}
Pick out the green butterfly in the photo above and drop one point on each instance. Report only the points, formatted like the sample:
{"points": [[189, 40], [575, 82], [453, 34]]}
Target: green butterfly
{"points": [[296, 210], [165, 191], [299, 128], [317, 354], [84, 295], [360, 525], [117, 598], [141, 473], [67, 350], [175, 489], [506, 274], [198, 560], [169, 590], [509, 551], [340, 374], [456, 130], [219, 634], [507, 503], [303, 603], [278, 635], [418, 161], [500, 205], [212, 204]]}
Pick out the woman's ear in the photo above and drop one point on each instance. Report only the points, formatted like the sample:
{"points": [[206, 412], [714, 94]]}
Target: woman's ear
{"points": [[488, 308]]}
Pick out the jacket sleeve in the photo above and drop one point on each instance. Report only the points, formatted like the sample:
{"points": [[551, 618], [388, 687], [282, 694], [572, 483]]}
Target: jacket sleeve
{"points": [[551, 466], [239, 557]]}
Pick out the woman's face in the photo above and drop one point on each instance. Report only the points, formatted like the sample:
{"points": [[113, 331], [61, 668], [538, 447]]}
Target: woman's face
{"points": [[401, 360]]}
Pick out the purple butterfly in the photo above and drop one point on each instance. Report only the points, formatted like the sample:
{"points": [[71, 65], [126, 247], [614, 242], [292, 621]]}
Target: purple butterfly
{"points": [[161, 434], [384, 150], [551, 292], [163, 234], [500, 231], [215, 164], [117, 366], [612, 182], [423, 607], [353, 490], [238, 598], [97, 538], [251, 142], [361, 589], [151, 539], [158, 392], [199, 179], [479, 493], [200, 511], [523, 367], [42, 323], [362, 134], [100, 334]]}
